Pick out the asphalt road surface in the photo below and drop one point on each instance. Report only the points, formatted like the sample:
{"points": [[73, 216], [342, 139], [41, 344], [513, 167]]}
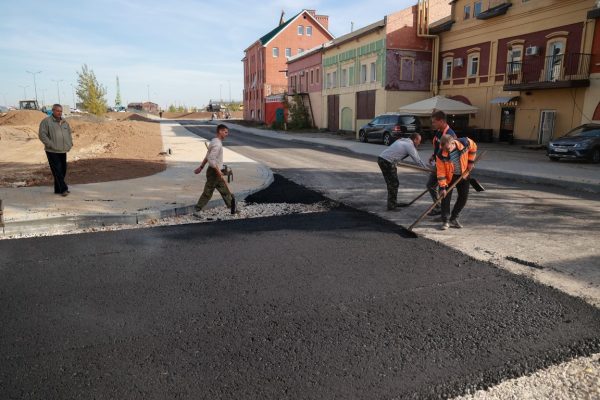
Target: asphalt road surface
{"points": [[544, 232], [337, 304]]}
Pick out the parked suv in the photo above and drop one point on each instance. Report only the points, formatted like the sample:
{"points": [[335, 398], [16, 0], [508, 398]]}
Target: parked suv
{"points": [[582, 143], [389, 127]]}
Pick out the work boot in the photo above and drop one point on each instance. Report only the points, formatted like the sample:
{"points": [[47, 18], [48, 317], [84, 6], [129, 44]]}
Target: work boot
{"points": [[445, 226], [455, 224]]}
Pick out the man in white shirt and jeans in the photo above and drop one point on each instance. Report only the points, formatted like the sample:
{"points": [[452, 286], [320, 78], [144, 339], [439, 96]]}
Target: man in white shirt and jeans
{"points": [[399, 150], [214, 176]]}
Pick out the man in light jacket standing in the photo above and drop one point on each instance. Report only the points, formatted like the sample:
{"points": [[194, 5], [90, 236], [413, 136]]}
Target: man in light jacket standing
{"points": [[55, 133], [400, 149]]}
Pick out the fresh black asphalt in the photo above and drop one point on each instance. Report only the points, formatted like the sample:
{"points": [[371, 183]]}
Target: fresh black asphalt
{"points": [[328, 305]]}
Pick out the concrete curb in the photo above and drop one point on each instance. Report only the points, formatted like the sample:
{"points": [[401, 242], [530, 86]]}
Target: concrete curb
{"points": [[72, 222], [541, 180]]}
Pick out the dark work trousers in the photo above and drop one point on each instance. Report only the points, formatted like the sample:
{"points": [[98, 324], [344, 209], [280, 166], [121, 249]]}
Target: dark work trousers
{"points": [[390, 174], [462, 188], [213, 182], [432, 184], [58, 166]]}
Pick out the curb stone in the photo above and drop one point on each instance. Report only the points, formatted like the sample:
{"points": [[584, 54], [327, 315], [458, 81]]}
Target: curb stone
{"points": [[72, 222]]}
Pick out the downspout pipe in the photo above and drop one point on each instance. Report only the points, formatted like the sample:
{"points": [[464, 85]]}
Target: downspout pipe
{"points": [[423, 31]]}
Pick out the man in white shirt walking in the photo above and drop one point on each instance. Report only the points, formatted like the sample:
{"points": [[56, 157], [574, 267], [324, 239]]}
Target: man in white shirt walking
{"points": [[399, 150], [214, 176]]}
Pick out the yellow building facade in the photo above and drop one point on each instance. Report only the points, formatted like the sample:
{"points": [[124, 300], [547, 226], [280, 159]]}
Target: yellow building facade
{"points": [[526, 64]]}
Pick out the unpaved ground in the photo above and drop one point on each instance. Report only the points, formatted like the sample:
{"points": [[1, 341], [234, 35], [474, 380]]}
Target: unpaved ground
{"points": [[105, 149]]}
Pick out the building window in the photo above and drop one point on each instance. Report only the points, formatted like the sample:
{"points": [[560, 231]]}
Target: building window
{"points": [[373, 72], [309, 31], [473, 65], [312, 76], [334, 82], [317, 75], [467, 12], [407, 69], [275, 51], [476, 9], [515, 58], [300, 51], [447, 73], [300, 30], [288, 52], [363, 73], [344, 81], [327, 80]]}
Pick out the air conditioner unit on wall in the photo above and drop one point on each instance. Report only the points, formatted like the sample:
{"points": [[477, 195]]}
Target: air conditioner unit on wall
{"points": [[532, 51], [301, 73], [458, 62]]}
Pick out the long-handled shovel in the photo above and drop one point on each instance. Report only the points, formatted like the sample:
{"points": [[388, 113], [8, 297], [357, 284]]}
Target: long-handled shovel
{"points": [[413, 200], [473, 181], [439, 200]]}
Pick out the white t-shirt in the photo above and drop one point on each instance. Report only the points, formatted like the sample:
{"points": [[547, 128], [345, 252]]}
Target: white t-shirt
{"points": [[214, 156]]}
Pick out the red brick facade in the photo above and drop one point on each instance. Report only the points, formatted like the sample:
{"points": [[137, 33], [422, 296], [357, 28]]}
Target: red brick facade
{"points": [[265, 63]]}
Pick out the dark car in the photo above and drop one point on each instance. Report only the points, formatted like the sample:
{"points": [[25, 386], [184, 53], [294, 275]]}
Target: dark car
{"points": [[389, 127], [582, 143]]}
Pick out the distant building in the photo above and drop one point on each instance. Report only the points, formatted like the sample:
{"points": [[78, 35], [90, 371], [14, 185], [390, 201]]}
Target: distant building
{"points": [[149, 107], [265, 60]]}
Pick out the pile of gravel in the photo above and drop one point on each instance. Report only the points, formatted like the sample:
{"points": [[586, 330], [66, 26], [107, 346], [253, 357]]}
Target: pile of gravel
{"points": [[221, 213], [577, 379]]}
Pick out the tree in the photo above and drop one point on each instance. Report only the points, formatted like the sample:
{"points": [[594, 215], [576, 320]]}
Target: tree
{"points": [[299, 118], [172, 108], [91, 92], [235, 106]]}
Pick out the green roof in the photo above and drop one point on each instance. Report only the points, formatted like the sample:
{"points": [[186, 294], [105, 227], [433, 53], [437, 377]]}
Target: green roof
{"points": [[265, 39]]}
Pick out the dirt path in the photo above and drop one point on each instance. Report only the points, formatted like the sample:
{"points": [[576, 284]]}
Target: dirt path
{"points": [[104, 149]]}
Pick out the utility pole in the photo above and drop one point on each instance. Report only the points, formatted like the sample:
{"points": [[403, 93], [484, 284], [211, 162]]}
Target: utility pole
{"points": [[221, 92], [24, 91], [73, 93], [34, 84], [57, 87], [118, 98], [148, 93], [229, 82], [44, 97]]}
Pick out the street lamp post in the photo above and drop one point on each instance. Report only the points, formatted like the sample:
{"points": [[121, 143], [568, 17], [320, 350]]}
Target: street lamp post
{"points": [[57, 88], [24, 91], [73, 91], [34, 83]]}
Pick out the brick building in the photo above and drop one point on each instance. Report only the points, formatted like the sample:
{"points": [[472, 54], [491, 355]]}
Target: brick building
{"points": [[265, 61], [525, 64]]}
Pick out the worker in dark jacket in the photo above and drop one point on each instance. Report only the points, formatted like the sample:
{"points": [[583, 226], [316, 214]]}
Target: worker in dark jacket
{"points": [[438, 122], [55, 133], [456, 156]]}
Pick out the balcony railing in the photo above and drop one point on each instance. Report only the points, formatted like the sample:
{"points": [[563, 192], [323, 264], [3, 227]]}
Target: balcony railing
{"points": [[557, 71]]}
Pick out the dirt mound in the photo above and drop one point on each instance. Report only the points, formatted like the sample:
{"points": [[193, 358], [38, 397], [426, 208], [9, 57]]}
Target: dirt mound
{"points": [[103, 150], [22, 117], [128, 116]]}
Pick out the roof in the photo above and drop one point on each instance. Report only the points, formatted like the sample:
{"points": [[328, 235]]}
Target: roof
{"points": [[266, 38], [309, 52], [359, 32], [272, 34]]}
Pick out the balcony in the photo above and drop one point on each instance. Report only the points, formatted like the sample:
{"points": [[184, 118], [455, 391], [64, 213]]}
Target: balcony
{"points": [[568, 70]]}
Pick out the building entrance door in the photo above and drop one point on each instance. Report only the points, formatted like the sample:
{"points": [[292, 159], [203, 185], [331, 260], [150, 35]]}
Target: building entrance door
{"points": [[507, 124], [333, 112], [547, 121]]}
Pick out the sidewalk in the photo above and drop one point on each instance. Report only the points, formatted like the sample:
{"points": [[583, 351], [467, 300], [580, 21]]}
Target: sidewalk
{"points": [[166, 194], [501, 160]]}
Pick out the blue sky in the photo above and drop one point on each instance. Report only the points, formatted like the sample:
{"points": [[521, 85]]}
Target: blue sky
{"points": [[184, 52]]}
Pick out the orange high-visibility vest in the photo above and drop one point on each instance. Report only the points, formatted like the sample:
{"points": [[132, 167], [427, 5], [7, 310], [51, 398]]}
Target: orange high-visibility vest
{"points": [[445, 168]]}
